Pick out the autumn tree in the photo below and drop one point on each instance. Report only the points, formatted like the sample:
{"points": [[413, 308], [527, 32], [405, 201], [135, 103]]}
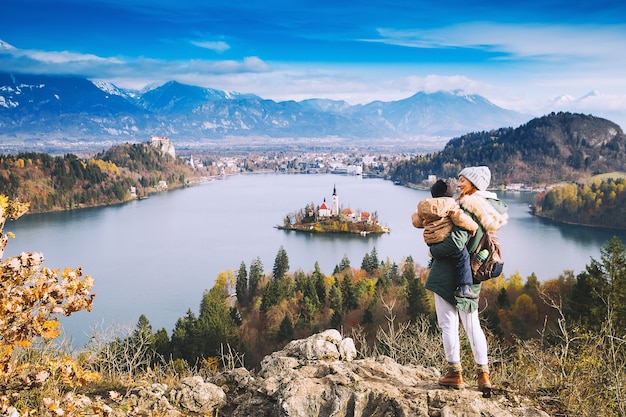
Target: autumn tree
{"points": [[33, 296], [215, 325]]}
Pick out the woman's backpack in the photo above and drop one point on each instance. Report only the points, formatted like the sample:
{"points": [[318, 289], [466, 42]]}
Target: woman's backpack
{"points": [[491, 267]]}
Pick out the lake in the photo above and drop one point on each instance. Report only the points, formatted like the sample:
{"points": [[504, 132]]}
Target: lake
{"points": [[157, 256]]}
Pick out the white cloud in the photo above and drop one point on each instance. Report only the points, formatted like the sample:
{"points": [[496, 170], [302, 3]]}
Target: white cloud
{"points": [[217, 46], [547, 42], [55, 57], [64, 57], [433, 82]]}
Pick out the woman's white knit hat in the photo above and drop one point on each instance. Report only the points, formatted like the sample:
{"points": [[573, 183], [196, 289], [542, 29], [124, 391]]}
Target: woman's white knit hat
{"points": [[480, 176]]}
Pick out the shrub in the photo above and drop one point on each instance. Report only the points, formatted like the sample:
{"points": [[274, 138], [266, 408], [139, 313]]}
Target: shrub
{"points": [[33, 375]]}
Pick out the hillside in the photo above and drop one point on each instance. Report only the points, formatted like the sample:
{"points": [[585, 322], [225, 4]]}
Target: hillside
{"points": [[599, 203], [556, 147], [52, 183]]}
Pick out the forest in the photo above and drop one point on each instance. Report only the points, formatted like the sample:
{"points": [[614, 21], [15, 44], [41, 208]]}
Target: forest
{"points": [[557, 147], [275, 308], [600, 203], [53, 183]]}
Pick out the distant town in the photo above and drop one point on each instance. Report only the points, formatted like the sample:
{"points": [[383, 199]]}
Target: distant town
{"points": [[365, 164], [348, 163]]}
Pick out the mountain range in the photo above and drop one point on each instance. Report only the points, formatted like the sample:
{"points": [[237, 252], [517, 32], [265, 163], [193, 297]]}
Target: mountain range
{"points": [[48, 111]]}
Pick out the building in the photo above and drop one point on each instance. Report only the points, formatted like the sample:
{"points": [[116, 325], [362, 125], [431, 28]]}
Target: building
{"points": [[334, 211], [324, 211], [164, 144]]}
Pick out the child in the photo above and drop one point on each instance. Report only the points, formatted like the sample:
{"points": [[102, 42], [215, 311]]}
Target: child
{"points": [[437, 216]]}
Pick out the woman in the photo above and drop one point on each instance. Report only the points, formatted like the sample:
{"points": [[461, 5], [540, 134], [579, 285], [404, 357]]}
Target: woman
{"points": [[490, 214]]}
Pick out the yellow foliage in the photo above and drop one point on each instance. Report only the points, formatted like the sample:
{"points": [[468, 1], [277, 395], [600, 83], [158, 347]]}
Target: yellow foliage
{"points": [[31, 295], [106, 167], [225, 280], [525, 307], [515, 282], [23, 343], [211, 365], [50, 329]]}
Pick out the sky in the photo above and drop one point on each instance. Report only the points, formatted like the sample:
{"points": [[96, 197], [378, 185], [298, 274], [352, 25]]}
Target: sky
{"points": [[530, 56]]}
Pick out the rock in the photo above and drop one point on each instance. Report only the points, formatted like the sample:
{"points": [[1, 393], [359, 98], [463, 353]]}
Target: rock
{"points": [[308, 379], [153, 400], [320, 376], [347, 350], [198, 396]]}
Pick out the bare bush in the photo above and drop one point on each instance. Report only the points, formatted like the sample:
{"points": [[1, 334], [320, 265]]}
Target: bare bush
{"points": [[408, 342], [119, 354], [230, 358], [573, 368]]}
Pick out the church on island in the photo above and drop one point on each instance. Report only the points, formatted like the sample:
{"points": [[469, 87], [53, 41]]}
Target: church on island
{"points": [[333, 219]]}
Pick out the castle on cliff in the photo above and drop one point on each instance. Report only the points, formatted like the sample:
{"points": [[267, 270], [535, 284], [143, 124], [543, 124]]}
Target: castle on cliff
{"points": [[164, 144]]}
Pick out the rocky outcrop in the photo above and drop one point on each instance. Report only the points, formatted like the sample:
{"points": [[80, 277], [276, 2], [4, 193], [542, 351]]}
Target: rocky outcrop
{"points": [[321, 377]]}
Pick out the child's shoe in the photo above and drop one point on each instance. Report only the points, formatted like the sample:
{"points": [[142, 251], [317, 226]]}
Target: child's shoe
{"points": [[465, 291]]}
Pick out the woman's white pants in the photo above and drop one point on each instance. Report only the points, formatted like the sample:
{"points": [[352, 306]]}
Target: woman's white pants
{"points": [[448, 319]]}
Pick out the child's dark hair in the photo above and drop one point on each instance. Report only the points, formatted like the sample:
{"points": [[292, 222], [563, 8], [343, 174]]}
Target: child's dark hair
{"points": [[442, 188]]}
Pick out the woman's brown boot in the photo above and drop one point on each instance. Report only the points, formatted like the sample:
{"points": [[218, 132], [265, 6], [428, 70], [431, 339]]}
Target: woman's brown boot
{"points": [[453, 378], [484, 383]]}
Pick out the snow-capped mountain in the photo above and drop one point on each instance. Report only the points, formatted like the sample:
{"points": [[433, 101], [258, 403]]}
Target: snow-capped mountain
{"points": [[46, 107]]}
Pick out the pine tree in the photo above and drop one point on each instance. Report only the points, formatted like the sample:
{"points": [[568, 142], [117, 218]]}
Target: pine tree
{"points": [[216, 326], [184, 342], [417, 297], [141, 346], [348, 294], [366, 263], [285, 331], [599, 294], [334, 297], [270, 296], [162, 344], [343, 265], [281, 264], [242, 285], [320, 284], [256, 273]]}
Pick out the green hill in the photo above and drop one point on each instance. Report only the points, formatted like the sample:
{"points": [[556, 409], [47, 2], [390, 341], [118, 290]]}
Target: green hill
{"points": [[553, 148]]}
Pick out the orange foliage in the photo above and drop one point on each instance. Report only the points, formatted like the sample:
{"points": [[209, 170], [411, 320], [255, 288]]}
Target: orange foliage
{"points": [[32, 295]]}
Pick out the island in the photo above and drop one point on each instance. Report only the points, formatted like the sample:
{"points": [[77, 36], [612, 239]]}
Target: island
{"points": [[324, 219]]}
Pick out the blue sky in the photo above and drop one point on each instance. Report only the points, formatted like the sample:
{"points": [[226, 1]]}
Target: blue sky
{"points": [[521, 56]]}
